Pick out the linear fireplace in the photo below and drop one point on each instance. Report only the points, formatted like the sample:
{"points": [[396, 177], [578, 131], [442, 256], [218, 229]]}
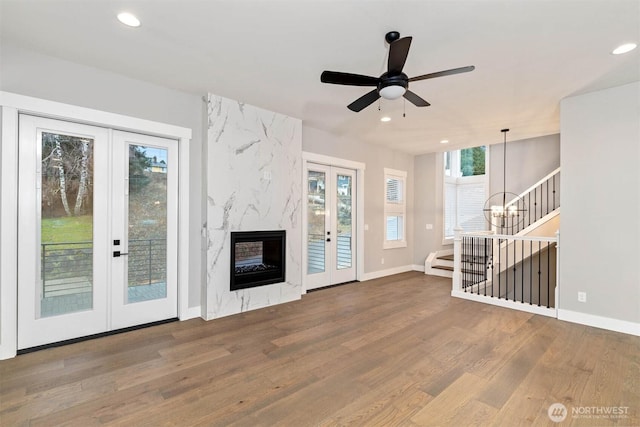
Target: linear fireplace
{"points": [[257, 258]]}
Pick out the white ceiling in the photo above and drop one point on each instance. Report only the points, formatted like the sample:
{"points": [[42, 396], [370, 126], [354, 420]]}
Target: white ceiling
{"points": [[528, 54]]}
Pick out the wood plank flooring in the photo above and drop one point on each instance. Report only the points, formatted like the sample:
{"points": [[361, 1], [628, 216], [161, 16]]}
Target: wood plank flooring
{"points": [[396, 351]]}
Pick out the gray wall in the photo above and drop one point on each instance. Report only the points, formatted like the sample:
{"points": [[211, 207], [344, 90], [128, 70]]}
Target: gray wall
{"points": [[32, 74], [528, 160], [600, 222], [427, 207], [376, 159]]}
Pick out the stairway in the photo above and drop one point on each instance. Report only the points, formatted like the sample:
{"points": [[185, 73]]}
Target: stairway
{"points": [[542, 219], [442, 265]]}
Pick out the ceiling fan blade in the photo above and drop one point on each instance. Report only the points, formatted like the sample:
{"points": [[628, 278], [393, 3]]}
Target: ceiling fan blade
{"points": [[443, 73], [364, 101], [398, 51], [338, 78], [415, 99]]}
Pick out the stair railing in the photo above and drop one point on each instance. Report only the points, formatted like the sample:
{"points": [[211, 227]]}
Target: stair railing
{"points": [[522, 270], [541, 199]]}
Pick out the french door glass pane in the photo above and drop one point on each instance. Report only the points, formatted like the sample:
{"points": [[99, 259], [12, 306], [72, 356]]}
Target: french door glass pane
{"points": [[66, 226], [344, 191], [316, 182], [147, 225]]}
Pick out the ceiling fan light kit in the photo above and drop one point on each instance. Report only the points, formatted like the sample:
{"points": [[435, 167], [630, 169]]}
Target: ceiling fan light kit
{"points": [[394, 83]]}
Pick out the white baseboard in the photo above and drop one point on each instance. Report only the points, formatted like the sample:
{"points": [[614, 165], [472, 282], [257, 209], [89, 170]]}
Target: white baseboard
{"points": [[543, 311], [418, 267], [608, 323], [192, 313], [387, 272], [8, 351]]}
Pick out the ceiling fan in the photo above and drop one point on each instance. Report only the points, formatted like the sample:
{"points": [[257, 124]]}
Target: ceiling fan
{"points": [[394, 83]]}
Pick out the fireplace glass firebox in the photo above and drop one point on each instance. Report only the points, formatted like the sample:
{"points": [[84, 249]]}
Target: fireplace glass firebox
{"points": [[257, 258]]}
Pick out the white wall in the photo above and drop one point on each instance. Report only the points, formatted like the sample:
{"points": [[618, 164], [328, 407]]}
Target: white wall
{"points": [[29, 73], [376, 159], [600, 223]]}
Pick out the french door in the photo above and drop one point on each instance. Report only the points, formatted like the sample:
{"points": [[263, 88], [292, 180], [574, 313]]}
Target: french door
{"points": [[330, 226], [97, 230]]}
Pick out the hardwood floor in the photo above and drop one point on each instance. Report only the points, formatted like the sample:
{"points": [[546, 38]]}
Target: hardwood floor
{"points": [[392, 351]]}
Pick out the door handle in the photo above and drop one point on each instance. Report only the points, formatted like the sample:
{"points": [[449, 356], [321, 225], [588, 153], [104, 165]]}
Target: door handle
{"points": [[117, 254], [328, 240]]}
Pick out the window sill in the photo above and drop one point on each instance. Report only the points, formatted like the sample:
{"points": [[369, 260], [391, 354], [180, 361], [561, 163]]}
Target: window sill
{"points": [[394, 244]]}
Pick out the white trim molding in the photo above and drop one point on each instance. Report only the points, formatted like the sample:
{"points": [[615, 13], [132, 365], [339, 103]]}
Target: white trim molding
{"points": [[192, 313], [8, 232], [11, 105], [388, 272], [595, 321], [514, 305], [418, 267]]}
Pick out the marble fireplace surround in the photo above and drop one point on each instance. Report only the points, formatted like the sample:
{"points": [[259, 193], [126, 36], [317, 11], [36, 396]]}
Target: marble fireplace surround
{"points": [[254, 183]]}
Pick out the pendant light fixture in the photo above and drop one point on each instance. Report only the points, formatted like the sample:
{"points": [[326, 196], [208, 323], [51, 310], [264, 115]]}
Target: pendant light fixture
{"points": [[504, 210]]}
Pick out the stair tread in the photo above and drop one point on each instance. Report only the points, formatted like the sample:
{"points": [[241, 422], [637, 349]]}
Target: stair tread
{"points": [[446, 257], [467, 259], [446, 267]]}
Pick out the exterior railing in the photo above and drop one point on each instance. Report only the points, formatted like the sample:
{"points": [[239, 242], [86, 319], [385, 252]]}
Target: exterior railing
{"points": [[316, 248], [67, 267], [147, 261], [517, 271]]}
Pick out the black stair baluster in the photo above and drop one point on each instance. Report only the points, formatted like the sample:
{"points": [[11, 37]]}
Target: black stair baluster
{"points": [[539, 271], [464, 251], [547, 196], [554, 192], [548, 271], [530, 270], [515, 263], [522, 271], [499, 268]]}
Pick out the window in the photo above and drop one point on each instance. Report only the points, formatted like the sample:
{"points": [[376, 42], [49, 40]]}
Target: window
{"points": [[395, 207], [465, 190]]}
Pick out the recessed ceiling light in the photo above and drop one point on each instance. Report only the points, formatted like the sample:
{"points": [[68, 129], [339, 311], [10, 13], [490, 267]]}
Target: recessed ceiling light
{"points": [[128, 19], [624, 48], [385, 119], [444, 141]]}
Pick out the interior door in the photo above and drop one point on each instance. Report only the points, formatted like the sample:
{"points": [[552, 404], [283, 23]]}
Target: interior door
{"points": [[76, 210], [330, 225]]}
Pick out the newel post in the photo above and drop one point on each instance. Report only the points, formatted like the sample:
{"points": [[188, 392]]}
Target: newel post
{"points": [[457, 259]]}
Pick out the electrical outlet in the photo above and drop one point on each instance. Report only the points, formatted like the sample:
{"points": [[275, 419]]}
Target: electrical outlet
{"points": [[382, 261], [429, 226], [582, 296]]}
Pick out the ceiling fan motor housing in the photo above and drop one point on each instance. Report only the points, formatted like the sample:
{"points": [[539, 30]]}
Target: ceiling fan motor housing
{"points": [[393, 87]]}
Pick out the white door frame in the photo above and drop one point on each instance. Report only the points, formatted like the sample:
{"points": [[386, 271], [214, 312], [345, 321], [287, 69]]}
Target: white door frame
{"points": [[359, 167], [11, 105]]}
